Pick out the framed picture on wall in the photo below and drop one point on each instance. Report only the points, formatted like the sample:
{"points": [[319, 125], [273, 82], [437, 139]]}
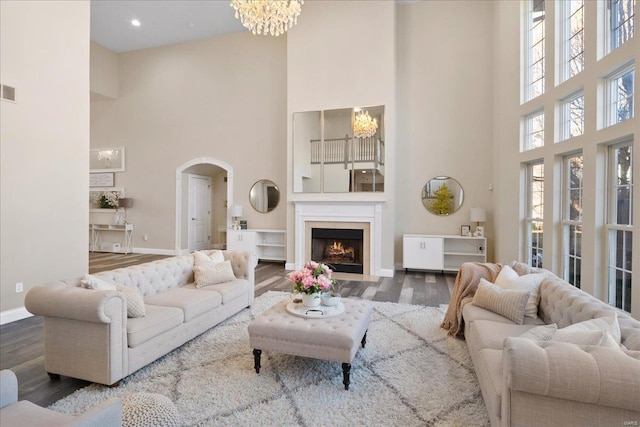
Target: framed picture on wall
{"points": [[465, 230], [101, 179], [106, 160]]}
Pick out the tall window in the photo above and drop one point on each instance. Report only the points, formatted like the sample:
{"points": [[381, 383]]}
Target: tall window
{"points": [[572, 116], [619, 224], [533, 131], [619, 94], [535, 213], [534, 42], [620, 22], [572, 219], [572, 33]]}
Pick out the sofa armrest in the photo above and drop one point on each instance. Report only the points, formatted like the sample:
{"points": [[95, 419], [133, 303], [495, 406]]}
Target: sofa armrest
{"points": [[107, 413], [243, 264], [72, 302], [8, 388], [590, 374]]}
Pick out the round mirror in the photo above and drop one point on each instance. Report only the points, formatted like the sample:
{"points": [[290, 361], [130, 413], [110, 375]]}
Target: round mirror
{"points": [[264, 196], [442, 195]]}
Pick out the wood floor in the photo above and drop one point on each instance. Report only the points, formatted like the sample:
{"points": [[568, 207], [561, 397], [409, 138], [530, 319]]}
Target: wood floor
{"points": [[22, 346]]}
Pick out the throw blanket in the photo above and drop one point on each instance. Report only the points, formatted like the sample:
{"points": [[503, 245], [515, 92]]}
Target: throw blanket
{"points": [[465, 288]]}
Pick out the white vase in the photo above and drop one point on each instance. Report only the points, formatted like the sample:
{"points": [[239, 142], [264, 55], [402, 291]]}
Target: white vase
{"points": [[311, 300]]}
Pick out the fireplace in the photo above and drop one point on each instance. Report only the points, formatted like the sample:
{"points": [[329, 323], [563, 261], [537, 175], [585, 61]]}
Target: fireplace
{"points": [[341, 248]]}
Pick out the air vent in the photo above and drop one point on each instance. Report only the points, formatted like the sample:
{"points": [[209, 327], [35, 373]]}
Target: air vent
{"points": [[8, 93]]}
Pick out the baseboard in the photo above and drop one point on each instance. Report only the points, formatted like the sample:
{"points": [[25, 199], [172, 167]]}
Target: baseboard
{"points": [[387, 272], [13, 315], [152, 251], [289, 266]]}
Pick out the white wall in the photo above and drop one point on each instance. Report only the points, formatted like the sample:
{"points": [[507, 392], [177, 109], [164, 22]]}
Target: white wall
{"points": [[445, 112], [44, 150], [104, 73], [222, 98], [342, 55]]}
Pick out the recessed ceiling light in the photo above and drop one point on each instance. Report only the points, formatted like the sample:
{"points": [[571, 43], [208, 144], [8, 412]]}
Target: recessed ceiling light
{"points": [[191, 25], [135, 23]]}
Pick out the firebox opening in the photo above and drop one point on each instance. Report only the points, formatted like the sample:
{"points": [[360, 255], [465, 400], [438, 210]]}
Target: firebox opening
{"points": [[340, 248]]}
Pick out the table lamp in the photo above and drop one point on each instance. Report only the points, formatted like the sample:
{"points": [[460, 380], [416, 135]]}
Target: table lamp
{"points": [[124, 203], [478, 215]]}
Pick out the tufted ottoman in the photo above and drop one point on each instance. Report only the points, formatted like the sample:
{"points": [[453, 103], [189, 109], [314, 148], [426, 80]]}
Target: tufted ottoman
{"points": [[335, 338]]}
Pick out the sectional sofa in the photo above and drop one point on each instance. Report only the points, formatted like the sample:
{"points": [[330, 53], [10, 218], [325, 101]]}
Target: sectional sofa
{"points": [[88, 335], [538, 381]]}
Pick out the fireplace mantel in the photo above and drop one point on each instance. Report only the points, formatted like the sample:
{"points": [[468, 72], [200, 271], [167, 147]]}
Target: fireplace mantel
{"points": [[338, 211]]}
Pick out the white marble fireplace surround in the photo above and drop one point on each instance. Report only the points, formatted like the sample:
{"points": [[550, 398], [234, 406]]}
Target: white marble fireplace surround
{"points": [[339, 212]]}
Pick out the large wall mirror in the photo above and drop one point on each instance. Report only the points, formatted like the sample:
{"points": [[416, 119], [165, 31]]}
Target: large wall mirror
{"points": [[264, 196], [442, 195], [339, 151]]}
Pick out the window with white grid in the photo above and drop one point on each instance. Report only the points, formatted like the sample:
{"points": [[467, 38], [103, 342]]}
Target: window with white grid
{"points": [[571, 15], [533, 136], [620, 223], [619, 95], [572, 219], [572, 116], [535, 213], [620, 22], [534, 70]]}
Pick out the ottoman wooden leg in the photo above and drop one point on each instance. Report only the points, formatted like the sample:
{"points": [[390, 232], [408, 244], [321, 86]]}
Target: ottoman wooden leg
{"points": [[346, 371], [256, 359], [364, 338]]}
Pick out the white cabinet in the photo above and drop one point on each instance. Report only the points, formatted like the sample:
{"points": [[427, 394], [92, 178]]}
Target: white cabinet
{"points": [[445, 253], [268, 245], [422, 252]]}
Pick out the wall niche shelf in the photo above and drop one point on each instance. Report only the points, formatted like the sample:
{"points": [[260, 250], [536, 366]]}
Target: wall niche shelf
{"points": [[441, 252]]}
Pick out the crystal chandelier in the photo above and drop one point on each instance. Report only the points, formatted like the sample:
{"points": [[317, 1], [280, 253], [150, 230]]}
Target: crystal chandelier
{"points": [[273, 17], [364, 126], [107, 156]]}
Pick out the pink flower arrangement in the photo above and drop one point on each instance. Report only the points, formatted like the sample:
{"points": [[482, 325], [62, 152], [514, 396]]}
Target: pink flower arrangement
{"points": [[313, 278]]}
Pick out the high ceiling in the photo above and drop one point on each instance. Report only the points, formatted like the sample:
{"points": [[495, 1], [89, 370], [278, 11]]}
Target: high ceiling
{"points": [[162, 22]]}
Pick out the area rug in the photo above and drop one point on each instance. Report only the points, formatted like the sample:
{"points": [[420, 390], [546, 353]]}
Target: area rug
{"points": [[410, 373]]}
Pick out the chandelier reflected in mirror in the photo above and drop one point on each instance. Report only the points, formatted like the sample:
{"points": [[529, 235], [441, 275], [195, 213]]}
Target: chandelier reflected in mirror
{"points": [[273, 17], [107, 156], [363, 125]]}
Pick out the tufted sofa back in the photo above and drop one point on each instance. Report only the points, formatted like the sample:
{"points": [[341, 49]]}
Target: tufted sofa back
{"points": [[565, 305], [159, 276]]}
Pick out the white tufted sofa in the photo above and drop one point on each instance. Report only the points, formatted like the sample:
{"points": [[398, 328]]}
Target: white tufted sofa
{"points": [[87, 333], [533, 383]]}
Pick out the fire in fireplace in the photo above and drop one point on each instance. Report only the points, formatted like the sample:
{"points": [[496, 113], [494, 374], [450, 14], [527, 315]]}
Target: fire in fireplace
{"points": [[340, 248]]}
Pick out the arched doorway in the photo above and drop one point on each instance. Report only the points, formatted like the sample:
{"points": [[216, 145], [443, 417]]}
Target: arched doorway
{"points": [[181, 241]]}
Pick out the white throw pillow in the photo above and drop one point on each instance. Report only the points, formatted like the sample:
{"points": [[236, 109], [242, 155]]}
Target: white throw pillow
{"points": [[135, 303], [584, 337], [540, 333], [509, 279], [93, 282], [213, 274], [509, 303], [202, 259], [572, 332]]}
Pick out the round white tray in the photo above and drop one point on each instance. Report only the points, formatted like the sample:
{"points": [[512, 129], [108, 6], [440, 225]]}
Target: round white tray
{"points": [[319, 312]]}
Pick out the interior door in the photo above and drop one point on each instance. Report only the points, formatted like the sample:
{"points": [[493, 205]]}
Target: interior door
{"points": [[199, 212]]}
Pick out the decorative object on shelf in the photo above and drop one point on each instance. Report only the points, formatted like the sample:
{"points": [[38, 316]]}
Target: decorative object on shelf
{"points": [[442, 195], [310, 281], [243, 224], [96, 200], [465, 231], [273, 17], [478, 215], [363, 125], [106, 160], [101, 179], [124, 203], [235, 211], [108, 200]]}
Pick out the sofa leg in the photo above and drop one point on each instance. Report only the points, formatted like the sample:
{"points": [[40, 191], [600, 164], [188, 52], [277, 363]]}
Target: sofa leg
{"points": [[53, 376], [116, 384], [256, 359]]}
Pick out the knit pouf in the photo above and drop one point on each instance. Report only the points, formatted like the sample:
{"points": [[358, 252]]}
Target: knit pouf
{"points": [[149, 410]]}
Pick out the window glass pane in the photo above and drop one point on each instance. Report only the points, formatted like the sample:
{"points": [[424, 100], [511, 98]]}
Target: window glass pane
{"points": [[574, 188], [622, 190], [574, 46], [622, 21], [534, 131], [535, 45], [536, 239], [537, 191]]}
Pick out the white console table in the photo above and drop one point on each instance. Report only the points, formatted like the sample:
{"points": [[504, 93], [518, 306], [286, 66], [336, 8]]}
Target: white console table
{"points": [[441, 252], [268, 245], [97, 244]]}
